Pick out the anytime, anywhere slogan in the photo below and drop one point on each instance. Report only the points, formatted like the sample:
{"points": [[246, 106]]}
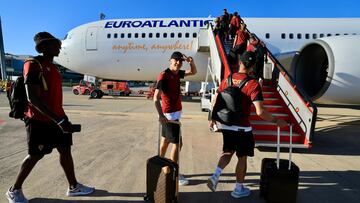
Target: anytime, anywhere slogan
{"points": [[124, 48]]}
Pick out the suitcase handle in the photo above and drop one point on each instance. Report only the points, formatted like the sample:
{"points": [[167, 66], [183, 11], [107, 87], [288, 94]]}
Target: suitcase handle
{"points": [[278, 148]]}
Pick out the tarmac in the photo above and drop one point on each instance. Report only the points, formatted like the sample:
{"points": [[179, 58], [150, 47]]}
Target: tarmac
{"points": [[120, 133]]}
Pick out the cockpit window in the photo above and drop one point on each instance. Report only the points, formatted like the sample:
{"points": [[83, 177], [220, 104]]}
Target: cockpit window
{"points": [[66, 36]]}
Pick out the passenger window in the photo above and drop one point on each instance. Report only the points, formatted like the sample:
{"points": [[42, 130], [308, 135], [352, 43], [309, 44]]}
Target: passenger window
{"points": [[115, 35], [267, 35], [299, 36], [122, 35], [283, 35], [291, 36], [322, 35], [329, 35], [187, 35], [179, 35], [150, 35], [129, 35], [108, 35], [157, 35], [143, 35], [172, 35], [307, 36], [165, 35], [314, 36], [337, 34], [136, 35], [346, 34], [194, 35]]}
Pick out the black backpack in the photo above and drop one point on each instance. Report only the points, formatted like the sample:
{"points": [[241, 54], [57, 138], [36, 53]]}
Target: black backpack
{"points": [[227, 109], [17, 93]]}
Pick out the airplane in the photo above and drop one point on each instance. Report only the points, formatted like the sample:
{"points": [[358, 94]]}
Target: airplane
{"points": [[320, 54]]}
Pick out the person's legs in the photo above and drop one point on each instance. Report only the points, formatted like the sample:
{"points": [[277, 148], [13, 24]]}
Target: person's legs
{"points": [[244, 149], [164, 143], [241, 169], [66, 162], [240, 190], [224, 160], [15, 194], [26, 167]]}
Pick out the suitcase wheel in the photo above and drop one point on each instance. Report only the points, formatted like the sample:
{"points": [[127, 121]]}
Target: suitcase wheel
{"points": [[146, 197]]}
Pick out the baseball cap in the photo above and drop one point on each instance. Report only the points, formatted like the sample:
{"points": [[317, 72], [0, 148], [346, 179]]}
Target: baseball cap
{"points": [[177, 56], [43, 37], [248, 58]]}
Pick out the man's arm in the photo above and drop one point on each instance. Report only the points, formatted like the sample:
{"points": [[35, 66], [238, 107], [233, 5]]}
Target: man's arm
{"points": [[33, 96], [264, 114], [192, 70], [162, 117]]}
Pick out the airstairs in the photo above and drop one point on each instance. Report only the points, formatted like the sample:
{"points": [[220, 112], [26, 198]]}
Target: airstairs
{"points": [[281, 97]]}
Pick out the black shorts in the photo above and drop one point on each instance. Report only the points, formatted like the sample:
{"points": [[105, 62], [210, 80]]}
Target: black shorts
{"points": [[42, 137], [171, 132], [239, 141]]}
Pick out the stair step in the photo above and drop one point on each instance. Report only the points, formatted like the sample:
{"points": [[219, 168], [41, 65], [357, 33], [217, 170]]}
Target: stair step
{"points": [[268, 89], [284, 116], [267, 135], [282, 144], [272, 108], [267, 126], [272, 101]]}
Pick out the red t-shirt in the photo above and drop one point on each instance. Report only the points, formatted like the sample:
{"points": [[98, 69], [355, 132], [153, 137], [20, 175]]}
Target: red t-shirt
{"points": [[169, 83], [241, 37], [252, 91], [53, 97]]}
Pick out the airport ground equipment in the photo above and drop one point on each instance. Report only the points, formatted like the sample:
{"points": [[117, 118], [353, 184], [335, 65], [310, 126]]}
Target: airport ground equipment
{"points": [[279, 178], [83, 88], [162, 176], [282, 98], [192, 88], [111, 88]]}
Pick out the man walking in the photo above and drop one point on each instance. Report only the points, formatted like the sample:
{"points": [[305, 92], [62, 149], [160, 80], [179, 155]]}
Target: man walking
{"points": [[47, 125], [239, 138]]}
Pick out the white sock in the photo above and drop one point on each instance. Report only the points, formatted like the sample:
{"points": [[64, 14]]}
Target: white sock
{"points": [[217, 173], [239, 185]]}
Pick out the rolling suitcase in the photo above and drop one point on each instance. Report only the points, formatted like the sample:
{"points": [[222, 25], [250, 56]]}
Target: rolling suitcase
{"points": [[162, 177], [279, 178]]}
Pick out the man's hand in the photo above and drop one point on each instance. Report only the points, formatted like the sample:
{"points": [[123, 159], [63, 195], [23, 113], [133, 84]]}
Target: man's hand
{"points": [[212, 123], [163, 119], [189, 59], [65, 125]]}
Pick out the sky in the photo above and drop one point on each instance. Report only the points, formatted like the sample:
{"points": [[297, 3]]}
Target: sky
{"points": [[22, 19]]}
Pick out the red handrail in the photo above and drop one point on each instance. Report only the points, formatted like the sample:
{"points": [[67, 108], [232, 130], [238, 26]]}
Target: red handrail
{"points": [[225, 63]]}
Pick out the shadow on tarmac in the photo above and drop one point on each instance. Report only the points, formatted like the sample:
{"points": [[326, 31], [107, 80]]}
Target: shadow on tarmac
{"points": [[315, 186], [338, 139]]}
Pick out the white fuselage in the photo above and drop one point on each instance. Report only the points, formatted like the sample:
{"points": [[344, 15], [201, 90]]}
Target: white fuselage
{"points": [[138, 49]]}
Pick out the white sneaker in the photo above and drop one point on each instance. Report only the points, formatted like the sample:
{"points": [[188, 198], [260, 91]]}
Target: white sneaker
{"points": [[240, 192], [79, 190], [16, 196], [182, 180], [212, 183]]}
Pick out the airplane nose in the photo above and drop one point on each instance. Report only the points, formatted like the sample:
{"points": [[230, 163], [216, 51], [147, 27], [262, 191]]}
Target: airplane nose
{"points": [[63, 58]]}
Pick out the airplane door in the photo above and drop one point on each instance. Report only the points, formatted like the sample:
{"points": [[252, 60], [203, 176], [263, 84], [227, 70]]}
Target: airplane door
{"points": [[91, 39]]}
